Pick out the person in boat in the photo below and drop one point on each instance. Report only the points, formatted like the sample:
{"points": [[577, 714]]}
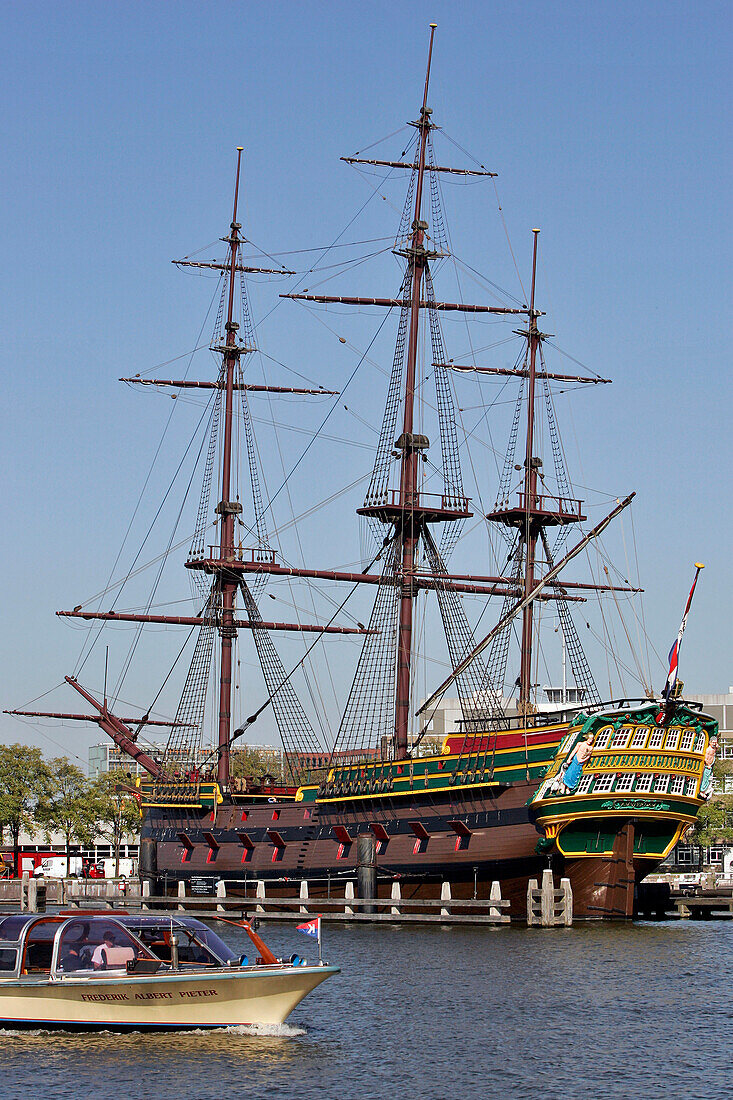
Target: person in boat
{"points": [[108, 954], [72, 958], [706, 783], [574, 766]]}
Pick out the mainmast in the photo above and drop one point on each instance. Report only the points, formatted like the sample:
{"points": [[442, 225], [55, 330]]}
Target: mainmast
{"points": [[227, 509], [530, 498], [410, 445]]}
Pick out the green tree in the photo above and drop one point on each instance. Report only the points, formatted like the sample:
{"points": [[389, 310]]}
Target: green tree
{"points": [[72, 806], [714, 823], [253, 763], [118, 813], [25, 782]]}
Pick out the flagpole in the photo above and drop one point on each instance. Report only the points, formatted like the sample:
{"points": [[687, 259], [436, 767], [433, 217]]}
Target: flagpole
{"points": [[674, 653], [320, 950]]}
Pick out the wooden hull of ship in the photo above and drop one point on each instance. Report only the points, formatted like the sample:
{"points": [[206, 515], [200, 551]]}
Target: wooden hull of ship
{"points": [[467, 838]]}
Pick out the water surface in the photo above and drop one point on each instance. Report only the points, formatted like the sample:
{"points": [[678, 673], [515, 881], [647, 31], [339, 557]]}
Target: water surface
{"points": [[616, 1012]]}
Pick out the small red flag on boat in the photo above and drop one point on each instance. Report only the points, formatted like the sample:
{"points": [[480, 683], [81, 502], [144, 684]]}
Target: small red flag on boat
{"points": [[311, 927]]}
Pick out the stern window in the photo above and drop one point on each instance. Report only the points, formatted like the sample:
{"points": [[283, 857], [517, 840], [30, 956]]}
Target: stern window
{"points": [[661, 782], [639, 737], [644, 782], [673, 737], [625, 782]]}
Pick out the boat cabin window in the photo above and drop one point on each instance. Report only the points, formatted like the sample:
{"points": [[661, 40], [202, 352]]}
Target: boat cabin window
{"points": [[8, 960], [620, 738], [677, 785], [95, 945], [644, 781], [690, 786], [655, 741], [38, 947], [12, 927], [625, 781]]}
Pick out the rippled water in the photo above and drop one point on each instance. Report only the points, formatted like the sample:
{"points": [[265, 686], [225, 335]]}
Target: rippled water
{"points": [[612, 1012]]}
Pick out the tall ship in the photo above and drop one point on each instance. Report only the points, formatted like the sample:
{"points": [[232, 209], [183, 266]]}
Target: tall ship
{"points": [[599, 791]]}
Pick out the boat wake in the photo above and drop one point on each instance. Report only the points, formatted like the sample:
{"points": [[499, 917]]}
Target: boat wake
{"points": [[278, 1031]]}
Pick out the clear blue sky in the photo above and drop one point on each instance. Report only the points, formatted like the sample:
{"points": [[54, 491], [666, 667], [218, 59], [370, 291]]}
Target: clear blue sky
{"points": [[609, 126]]}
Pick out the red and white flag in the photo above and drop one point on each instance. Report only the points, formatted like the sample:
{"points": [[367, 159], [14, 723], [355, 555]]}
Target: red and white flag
{"points": [[674, 653], [311, 928]]}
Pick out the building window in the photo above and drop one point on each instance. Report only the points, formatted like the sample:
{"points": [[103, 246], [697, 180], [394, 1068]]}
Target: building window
{"points": [[603, 783], [677, 785], [625, 782], [640, 734], [620, 738], [644, 782], [655, 741], [690, 787], [584, 785], [687, 856], [687, 739], [672, 739], [661, 782]]}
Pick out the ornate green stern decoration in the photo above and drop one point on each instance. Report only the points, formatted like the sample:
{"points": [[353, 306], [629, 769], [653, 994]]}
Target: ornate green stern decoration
{"points": [[632, 764]]}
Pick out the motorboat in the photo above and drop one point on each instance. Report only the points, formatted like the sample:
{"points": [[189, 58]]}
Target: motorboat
{"points": [[86, 971]]}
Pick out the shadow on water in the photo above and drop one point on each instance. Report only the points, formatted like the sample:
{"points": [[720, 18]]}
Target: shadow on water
{"points": [[617, 1012]]}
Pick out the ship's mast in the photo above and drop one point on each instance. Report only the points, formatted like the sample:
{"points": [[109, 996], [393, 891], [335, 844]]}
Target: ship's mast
{"points": [[409, 497], [227, 508], [530, 498]]}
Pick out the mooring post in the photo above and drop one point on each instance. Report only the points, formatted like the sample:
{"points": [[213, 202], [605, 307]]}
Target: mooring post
{"points": [[348, 896], [145, 893], [111, 892], [260, 894], [181, 893], [147, 864], [24, 881], [32, 887], [532, 891], [396, 896], [221, 892], [304, 894], [445, 895], [495, 895], [366, 869], [548, 899], [567, 901]]}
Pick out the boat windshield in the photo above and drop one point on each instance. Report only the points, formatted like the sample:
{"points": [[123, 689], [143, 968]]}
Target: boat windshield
{"points": [[96, 945], [197, 944]]}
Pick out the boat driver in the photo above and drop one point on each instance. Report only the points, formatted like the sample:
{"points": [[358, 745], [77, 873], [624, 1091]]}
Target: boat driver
{"points": [[108, 954]]}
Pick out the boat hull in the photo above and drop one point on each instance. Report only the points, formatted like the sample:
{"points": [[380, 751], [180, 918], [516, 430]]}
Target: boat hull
{"points": [[177, 1001], [501, 845]]}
